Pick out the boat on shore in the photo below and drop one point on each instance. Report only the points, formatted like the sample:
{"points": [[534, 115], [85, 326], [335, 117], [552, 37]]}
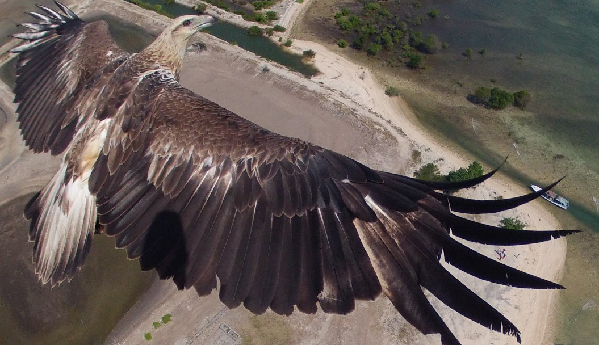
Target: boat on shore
{"points": [[552, 197]]}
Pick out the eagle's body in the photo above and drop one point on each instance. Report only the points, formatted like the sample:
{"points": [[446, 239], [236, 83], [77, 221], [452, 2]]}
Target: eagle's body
{"points": [[199, 193]]}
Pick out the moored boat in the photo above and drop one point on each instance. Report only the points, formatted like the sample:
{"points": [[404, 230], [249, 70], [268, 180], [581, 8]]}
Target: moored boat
{"points": [[552, 197]]}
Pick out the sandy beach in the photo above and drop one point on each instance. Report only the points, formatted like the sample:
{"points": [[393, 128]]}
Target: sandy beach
{"points": [[345, 109]]}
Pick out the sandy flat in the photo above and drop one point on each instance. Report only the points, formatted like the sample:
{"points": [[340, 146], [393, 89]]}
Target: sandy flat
{"points": [[344, 109]]}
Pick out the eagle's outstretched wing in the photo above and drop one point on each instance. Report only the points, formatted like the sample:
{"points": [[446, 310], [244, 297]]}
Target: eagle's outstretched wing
{"points": [[197, 193], [200, 194], [63, 56]]}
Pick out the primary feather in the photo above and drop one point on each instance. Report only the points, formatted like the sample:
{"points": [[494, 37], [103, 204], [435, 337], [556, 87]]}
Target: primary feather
{"points": [[199, 193]]}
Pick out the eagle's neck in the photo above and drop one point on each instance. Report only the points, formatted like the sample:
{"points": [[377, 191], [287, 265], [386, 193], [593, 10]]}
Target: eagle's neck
{"points": [[166, 51]]}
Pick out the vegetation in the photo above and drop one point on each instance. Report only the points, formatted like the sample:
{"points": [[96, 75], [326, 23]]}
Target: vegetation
{"points": [[166, 318], [287, 43], [468, 53], [512, 223], [279, 28], [483, 51], [272, 15], [269, 32], [156, 8], [148, 336], [169, 2], [258, 5], [255, 31], [430, 172], [494, 98], [200, 7], [218, 3], [521, 99], [391, 91], [474, 170], [433, 13], [378, 30], [156, 324], [258, 17], [414, 61], [309, 53]]}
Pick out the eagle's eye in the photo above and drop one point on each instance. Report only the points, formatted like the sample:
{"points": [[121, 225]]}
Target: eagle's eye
{"points": [[187, 22]]}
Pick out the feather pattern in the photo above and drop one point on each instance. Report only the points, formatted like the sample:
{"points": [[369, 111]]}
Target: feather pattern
{"points": [[202, 195]]}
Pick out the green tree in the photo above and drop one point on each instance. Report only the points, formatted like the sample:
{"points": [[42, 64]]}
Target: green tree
{"points": [[374, 49], [512, 223], [309, 53], [433, 13], [521, 99], [272, 15], [500, 99], [344, 24], [482, 95], [391, 91], [200, 8], [255, 31], [414, 61], [429, 172]]}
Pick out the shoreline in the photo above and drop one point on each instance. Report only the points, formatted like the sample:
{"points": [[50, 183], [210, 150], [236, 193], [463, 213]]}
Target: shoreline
{"points": [[355, 88]]}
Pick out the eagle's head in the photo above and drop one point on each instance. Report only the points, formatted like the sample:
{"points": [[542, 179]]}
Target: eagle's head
{"points": [[169, 48], [184, 27]]}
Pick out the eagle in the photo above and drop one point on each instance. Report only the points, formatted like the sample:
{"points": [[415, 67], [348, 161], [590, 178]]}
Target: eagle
{"points": [[208, 198]]}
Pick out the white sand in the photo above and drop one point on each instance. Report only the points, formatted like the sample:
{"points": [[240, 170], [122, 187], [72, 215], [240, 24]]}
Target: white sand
{"points": [[351, 106]]}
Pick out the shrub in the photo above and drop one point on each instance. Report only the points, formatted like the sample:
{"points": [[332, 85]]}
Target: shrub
{"points": [[500, 99], [433, 13], [344, 12], [391, 91], [255, 31], [474, 170], [521, 99], [309, 53], [512, 223], [269, 32], [156, 324], [467, 53], [342, 43], [482, 95], [260, 18], [414, 61], [166, 318], [169, 2], [148, 336], [272, 15], [287, 43], [429, 172], [482, 51], [374, 49], [279, 28], [200, 8]]}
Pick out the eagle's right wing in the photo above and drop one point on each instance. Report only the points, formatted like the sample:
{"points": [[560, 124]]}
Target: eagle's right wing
{"points": [[61, 56]]}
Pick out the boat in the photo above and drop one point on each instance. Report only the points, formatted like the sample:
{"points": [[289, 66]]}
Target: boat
{"points": [[552, 197]]}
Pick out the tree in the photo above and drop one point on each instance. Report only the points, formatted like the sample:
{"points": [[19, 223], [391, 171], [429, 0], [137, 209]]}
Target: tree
{"points": [[433, 13], [200, 8], [500, 99], [255, 31], [482, 95], [391, 91], [414, 61], [474, 170], [429, 172], [272, 15], [309, 53], [512, 223], [374, 49], [521, 99]]}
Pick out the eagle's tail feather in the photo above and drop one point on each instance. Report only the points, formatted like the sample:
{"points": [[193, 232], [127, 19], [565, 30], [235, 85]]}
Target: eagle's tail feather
{"points": [[63, 218]]}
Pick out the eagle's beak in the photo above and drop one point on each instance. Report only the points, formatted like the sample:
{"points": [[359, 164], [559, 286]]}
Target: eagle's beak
{"points": [[204, 22]]}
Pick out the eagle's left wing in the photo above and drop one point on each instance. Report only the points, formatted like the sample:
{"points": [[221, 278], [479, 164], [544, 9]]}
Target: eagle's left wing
{"points": [[61, 56]]}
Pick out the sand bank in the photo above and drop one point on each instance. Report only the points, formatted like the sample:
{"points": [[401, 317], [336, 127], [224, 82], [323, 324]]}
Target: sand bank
{"points": [[345, 109]]}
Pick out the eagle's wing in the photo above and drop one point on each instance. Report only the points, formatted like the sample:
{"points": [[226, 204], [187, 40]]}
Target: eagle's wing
{"points": [[197, 193], [61, 56]]}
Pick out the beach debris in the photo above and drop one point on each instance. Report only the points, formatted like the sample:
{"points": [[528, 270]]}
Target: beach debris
{"points": [[474, 125], [596, 201], [500, 253]]}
